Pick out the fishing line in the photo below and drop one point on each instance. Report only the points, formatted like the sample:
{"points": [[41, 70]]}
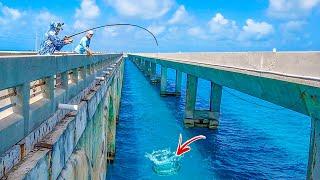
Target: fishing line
{"points": [[110, 25]]}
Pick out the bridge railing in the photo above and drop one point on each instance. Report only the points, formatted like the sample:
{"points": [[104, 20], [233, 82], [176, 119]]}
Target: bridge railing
{"points": [[31, 87]]}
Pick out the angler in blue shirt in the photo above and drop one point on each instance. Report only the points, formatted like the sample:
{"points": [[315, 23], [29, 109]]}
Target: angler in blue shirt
{"points": [[52, 42], [83, 46]]}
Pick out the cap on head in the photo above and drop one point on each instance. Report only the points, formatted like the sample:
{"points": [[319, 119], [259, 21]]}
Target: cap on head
{"points": [[56, 25], [90, 32], [59, 25]]}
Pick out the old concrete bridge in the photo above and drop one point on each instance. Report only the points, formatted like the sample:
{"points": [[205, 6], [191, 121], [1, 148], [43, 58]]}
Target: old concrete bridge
{"points": [[290, 79], [41, 139]]}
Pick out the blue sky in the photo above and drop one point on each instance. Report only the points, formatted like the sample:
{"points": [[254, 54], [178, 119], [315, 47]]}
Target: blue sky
{"points": [[207, 25]]}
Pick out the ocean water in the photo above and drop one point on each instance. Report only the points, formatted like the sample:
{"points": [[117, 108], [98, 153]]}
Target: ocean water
{"points": [[252, 141]]}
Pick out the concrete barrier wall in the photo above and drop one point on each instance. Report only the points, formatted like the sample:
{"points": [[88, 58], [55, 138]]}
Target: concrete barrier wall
{"points": [[303, 64], [44, 151]]}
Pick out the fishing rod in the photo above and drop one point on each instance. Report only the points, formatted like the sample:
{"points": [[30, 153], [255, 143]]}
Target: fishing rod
{"points": [[109, 25]]}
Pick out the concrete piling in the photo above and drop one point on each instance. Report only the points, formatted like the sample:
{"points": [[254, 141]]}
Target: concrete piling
{"points": [[178, 82], [202, 118], [153, 73], [147, 68], [314, 150], [163, 85]]}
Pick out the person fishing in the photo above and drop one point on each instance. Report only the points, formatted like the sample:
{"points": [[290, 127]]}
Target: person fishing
{"points": [[84, 44], [52, 42]]}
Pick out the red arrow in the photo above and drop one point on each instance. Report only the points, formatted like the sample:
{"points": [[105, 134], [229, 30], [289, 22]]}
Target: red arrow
{"points": [[181, 149]]}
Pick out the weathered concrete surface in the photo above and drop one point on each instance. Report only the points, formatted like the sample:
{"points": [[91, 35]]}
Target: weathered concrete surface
{"points": [[288, 79], [79, 134]]}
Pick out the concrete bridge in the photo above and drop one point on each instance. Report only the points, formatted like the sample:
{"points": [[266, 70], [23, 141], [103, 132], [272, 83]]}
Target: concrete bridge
{"points": [[58, 113], [288, 79]]}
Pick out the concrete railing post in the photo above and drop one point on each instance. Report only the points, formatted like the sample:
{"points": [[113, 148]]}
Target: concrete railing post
{"points": [[83, 73], [75, 75], [178, 82], [64, 80], [95, 68], [22, 105], [64, 83], [92, 71], [87, 72], [163, 86], [49, 91]]}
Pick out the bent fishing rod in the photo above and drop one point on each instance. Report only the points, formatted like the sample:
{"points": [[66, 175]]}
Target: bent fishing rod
{"points": [[109, 25]]}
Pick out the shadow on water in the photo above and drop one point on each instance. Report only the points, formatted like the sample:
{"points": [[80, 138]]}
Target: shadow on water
{"points": [[250, 143]]}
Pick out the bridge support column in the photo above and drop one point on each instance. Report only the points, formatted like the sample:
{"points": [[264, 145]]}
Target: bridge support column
{"points": [[147, 68], [137, 61], [202, 118], [215, 102], [314, 150], [153, 73], [163, 86], [312, 102], [178, 82], [144, 69], [140, 63], [191, 95]]}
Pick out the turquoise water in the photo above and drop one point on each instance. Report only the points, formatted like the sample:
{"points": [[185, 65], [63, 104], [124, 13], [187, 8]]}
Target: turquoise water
{"points": [[252, 142]]}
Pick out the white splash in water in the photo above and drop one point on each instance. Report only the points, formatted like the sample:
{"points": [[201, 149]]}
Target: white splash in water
{"points": [[165, 162]]}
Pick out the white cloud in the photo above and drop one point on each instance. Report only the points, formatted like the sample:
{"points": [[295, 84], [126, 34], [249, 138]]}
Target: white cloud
{"points": [[78, 24], [293, 26], [255, 30], [110, 32], [84, 15], [291, 9], [145, 9], [156, 29], [88, 10], [222, 28], [45, 17], [197, 32], [180, 16], [8, 14]]}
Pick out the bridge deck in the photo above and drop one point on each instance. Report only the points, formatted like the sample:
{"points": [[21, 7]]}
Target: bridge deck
{"points": [[296, 67]]}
